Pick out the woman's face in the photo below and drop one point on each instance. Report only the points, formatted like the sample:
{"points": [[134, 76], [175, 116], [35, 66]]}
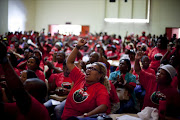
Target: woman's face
{"points": [[161, 77], [23, 76], [123, 67], [93, 74], [31, 64]]}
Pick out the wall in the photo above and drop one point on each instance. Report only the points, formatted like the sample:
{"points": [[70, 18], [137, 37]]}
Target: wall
{"points": [[81, 12], [163, 13], [30, 14], [40, 13], [21, 15], [3, 16]]}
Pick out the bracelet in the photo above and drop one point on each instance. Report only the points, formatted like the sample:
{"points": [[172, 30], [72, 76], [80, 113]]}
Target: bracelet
{"points": [[78, 47]]}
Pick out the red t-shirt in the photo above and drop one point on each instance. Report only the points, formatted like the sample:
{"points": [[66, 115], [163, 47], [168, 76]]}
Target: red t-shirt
{"points": [[150, 85], [2, 74], [60, 79], [45, 54], [174, 82], [37, 111], [41, 65], [155, 56], [80, 101], [40, 75], [60, 65], [143, 39], [148, 70]]}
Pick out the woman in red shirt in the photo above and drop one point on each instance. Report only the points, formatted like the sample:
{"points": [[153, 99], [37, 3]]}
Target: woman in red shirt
{"points": [[159, 87], [157, 53], [33, 64], [88, 96]]}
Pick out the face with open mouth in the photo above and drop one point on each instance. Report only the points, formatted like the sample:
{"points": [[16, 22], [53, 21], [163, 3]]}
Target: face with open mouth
{"points": [[93, 73]]}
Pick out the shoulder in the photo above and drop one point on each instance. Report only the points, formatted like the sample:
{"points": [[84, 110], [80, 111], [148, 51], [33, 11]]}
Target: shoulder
{"points": [[75, 70], [131, 75], [115, 73]]}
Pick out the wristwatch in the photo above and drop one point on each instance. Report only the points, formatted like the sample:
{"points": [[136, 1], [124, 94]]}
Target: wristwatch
{"points": [[85, 115]]}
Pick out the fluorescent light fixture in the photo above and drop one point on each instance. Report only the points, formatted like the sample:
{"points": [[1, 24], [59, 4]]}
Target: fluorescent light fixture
{"points": [[123, 20]]}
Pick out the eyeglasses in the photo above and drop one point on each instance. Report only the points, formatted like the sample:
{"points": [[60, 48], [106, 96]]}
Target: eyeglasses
{"points": [[92, 68]]}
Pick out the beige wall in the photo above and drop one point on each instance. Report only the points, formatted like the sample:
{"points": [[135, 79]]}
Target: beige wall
{"points": [[78, 12], [41, 13], [21, 15], [163, 13], [3, 16], [30, 15]]}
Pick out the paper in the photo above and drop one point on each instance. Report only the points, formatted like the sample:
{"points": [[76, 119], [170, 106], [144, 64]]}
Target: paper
{"points": [[55, 102], [127, 117]]}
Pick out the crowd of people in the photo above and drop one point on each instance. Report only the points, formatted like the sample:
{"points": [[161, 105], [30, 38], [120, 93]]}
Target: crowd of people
{"points": [[35, 67]]}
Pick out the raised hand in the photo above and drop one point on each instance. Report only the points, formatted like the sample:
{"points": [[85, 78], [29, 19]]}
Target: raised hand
{"points": [[139, 55], [81, 42], [120, 79]]}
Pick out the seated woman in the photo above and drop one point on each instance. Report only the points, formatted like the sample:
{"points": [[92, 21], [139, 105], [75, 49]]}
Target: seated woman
{"points": [[127, 81], [157, 53], [33, 64], [159, 87], [88, 96]]}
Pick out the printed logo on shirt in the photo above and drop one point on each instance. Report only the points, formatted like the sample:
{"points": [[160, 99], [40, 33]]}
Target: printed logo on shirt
{"points": [[156, 96], [80, 96], [158, 56], [143, 39], [66, 85]]}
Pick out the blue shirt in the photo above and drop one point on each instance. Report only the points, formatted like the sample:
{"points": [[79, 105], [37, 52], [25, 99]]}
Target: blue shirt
{"points": [[128, 77]]}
